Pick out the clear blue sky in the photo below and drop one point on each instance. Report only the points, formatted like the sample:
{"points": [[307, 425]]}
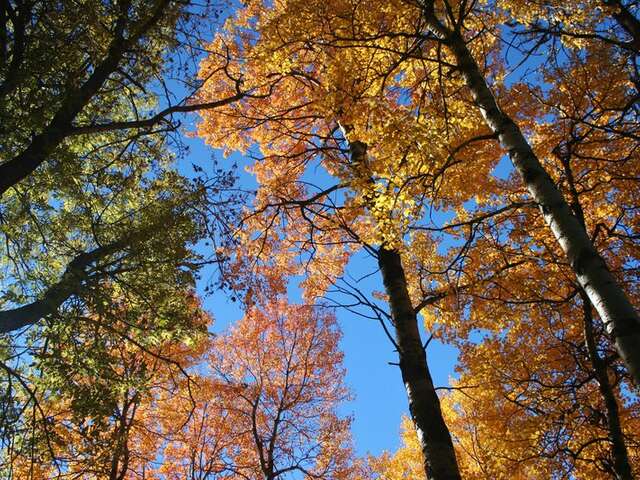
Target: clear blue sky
{"points": [[379, 395]]}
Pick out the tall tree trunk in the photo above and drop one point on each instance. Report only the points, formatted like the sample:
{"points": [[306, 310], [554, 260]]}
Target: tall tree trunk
{"points": [[439, 455], [610, 301], [73, 278], [435, 440], [621, 464], [120, 455]]}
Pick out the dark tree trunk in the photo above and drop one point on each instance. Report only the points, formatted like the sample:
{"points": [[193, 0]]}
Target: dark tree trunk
{"points": [[626, 20], [435, 440], [439, 455], [621, 464]]}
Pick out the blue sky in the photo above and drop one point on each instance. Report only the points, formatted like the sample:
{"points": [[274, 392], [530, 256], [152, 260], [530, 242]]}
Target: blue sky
{"points": [[379, 395], [380, 399]]}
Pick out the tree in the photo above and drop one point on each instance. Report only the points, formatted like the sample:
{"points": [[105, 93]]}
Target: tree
{"points": [[92, 383], [542, 391], [267, 407], [296, 128], [407, 111], [401, 89], [98, 126], [108, 54], [609, 299], [93, 206], [430, 40], [530, 399]]}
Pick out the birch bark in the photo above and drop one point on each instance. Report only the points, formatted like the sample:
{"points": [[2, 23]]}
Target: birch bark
{"points": [[606, 295]]}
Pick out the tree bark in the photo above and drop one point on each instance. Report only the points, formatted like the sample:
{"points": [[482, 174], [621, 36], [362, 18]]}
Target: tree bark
{"points": [[69, 284], [439, 455], [121, 455], [610, 301], [424, 405], [621, 464], [626, 20], [61, 125]]}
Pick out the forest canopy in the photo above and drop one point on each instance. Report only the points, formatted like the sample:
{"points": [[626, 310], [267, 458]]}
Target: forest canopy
{"points": [[478, 160]]}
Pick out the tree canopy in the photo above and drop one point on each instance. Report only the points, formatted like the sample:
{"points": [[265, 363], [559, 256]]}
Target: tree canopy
{"points": [[480, 158]]}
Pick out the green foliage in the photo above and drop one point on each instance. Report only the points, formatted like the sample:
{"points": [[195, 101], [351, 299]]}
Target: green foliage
{"points": [[114, 194]]}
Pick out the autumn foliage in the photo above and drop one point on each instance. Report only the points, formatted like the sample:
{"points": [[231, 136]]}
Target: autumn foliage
{"points": [[267, 409], [478, 159]]}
